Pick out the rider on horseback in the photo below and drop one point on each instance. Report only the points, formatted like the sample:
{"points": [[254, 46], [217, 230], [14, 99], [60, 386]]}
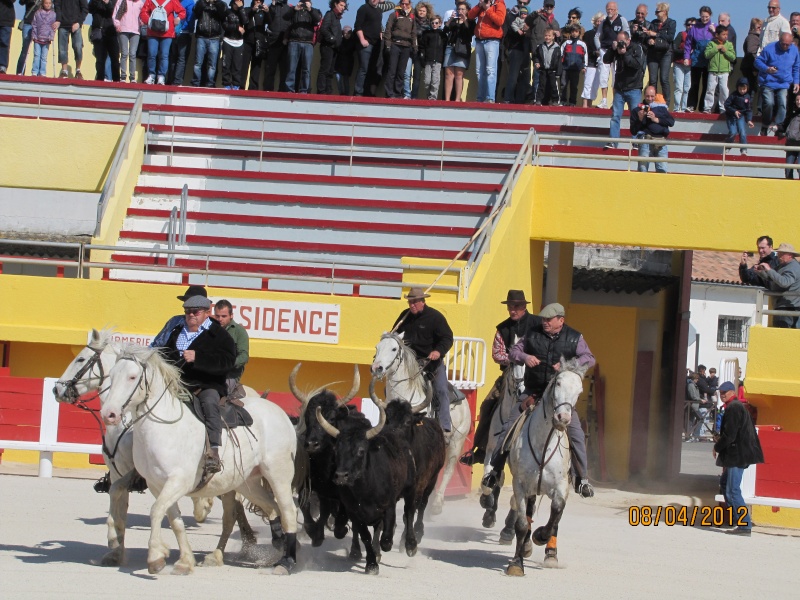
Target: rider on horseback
{"points": [[205, 353], [541, 351], [515, 326], [426, 331]]}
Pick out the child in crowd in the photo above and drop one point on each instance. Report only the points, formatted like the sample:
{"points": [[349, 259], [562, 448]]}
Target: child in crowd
{"points": [[720, 55], [738, 111], [547, 59], [42, 34], [345, 61], [790, 129], [575, 57], [431, 47]]}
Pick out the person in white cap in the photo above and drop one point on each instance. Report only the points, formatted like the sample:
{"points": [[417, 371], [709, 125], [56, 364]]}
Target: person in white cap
{"points": [[541, 351], [428, 334], [785, 278]]}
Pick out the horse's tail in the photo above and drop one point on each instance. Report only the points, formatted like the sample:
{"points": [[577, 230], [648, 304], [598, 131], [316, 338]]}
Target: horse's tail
{"points": [[301, 483]]}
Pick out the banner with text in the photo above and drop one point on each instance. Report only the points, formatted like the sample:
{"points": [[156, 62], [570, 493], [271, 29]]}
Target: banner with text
{"points": [[290, 321]]}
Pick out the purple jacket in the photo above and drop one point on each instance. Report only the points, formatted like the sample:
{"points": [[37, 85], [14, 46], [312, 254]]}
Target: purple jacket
{"points": [[699, 33], [42, 31]]}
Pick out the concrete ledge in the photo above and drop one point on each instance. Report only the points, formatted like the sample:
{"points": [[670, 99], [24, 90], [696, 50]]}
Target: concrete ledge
{"points": [[48, 211]]}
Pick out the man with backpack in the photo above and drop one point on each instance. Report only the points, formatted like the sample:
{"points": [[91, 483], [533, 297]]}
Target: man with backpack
{"points": [[161, 17]]}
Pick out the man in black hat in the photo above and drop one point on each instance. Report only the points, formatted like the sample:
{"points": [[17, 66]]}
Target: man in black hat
{"points": [[163, 335], [205, 353], [541, 351], [515, 326], [426, 332]]}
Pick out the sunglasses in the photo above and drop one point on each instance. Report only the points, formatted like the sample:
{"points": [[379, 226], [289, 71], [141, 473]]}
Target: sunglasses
{"points": [[194, 311]]}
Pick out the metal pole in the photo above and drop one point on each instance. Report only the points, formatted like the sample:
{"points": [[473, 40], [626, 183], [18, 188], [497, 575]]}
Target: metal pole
{"points": [[172, 141], [184, 201], [261, 148], [441, 159], [352, 144]]}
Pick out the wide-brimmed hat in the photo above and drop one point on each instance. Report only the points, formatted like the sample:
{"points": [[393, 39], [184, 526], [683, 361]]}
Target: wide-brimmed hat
{"points": [[416, 293], [515, 297], [194, 290], [197, 302], [787, 249], [552, 310]]}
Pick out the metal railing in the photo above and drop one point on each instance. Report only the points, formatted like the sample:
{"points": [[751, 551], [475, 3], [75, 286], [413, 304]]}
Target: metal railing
{"points": [[173, 253], [466, 363], [121, 153], [632, 157], [761, 311]]}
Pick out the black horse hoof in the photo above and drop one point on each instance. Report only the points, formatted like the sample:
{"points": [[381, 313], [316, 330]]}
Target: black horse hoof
{"points": [[355, 553], [284, 567], [487, 501], [372, 569], [340, 532], [507, 536], [489, 519], [539, 538], [386, 545]]}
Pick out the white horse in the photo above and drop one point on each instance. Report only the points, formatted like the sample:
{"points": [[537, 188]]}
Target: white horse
{"points": [[87, 373], [539, 461], [398, 364], [169, 445]]}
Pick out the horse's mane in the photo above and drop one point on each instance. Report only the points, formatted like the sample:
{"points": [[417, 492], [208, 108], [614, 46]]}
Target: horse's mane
{"points": [[409, 357], [573, 365], [103, 337], [169, 373]]}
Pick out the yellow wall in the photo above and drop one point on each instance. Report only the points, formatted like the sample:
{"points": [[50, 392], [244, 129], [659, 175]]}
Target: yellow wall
{"points": [[625, 209], [58, 155], [770, 370], [611, 333], [785, 517]]}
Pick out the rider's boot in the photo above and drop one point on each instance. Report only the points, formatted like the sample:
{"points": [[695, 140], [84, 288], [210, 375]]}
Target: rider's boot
{"points": [[469, 458], [213, 464]]}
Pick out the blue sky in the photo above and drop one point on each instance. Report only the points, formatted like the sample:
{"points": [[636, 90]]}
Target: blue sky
{"points": [[741, 12]]}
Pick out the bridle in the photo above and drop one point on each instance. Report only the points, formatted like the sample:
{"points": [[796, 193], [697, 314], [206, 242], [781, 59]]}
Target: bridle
{"points": [[544, 461], [71, 385], [145, 385]]}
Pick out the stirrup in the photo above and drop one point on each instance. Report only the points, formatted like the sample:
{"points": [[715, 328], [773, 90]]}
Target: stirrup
{"points": [[103, 485], [584, 488], [468, 458], [489, 481]]}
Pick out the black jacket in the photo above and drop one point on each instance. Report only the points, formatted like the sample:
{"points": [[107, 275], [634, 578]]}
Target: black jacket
{"points": [[102, 14], [302, 24], [515, 40], [277, 22], [69, 12], [638, 29], [235, 17], [346, 57], [647, 127], [628, 67], [555, 62], [209, 16], [255, 25], [330, 31], [511, 330], [739, 102], [459, 36], [368, 21], [216, 355], [751, 277], [665, 32], [28, 4], [549, 351], [738, 444], [426, 332], [431, 46]]}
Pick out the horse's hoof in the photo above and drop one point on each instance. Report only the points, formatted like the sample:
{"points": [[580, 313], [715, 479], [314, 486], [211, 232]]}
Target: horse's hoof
{"points": [[538, 537], [411, 550], [550, 562], [285, 566], [436, 507], [507, 536], [419, 531], [111, 559], [181, 569], [487, 501], [515, 570], [214, 559], [386, 545], [156, 566], [527, 549], [355, 554], [372, 569], [489, 519]]}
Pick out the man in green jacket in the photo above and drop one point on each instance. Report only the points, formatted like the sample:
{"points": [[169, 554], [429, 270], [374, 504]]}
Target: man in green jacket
{"points": [[223, 312]]}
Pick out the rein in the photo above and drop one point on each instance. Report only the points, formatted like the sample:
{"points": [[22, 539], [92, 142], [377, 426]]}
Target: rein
{"points": [[146, 388], [543, 463], [71, 385]]}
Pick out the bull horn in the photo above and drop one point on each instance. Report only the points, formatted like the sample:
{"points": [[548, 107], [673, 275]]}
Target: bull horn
{"points": [[323, 422], [301, 397], [425, 403], [374, 396], [353, 390], [381, 422]]}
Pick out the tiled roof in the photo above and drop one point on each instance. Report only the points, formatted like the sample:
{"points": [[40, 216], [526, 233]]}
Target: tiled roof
{"points": [[716, 267], [611, 280]]}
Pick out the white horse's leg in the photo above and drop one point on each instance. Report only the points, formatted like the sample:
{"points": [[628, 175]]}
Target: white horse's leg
{"points": [[216, 558], [202, 506], [117, 513], [158, 551], [279, 477], [186, 561], [461, 426]]}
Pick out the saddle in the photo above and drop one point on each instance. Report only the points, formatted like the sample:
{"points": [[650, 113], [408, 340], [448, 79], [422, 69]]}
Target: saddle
{"points": [[233, 415]]}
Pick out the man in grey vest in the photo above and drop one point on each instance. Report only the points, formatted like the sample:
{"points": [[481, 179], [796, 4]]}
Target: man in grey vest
{"points": [[541, 351]]}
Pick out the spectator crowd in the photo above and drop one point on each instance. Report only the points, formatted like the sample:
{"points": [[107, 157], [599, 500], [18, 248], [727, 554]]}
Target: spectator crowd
{"points": [[522, 54]]}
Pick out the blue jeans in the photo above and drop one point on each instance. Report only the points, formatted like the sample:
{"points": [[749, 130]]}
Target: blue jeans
{"points": [[65, 34], [733, 495], [40, 52], [486, 53], [442, 390], [736, 126], [179, 54], [343, 84], [701, 421], [27, 37], [793, 158], [683, 81], [210, 47], [365, 63], [769, 100], [407, 80], [630, 97], [299, 53], [653, 151], [158, 48], [5, 45]]}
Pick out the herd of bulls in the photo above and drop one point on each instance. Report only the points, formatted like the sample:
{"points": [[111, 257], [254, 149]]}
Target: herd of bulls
{"points": [[359, 471]]}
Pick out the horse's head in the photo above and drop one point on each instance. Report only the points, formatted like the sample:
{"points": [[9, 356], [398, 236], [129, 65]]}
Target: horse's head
{"points": [[128, 383], [88, 370], [564, 390], [388, 354]]}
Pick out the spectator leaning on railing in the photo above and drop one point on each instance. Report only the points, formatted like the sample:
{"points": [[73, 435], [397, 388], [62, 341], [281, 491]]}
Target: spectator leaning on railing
{"points": [[751, 276], [778, 71], [785, 278]]}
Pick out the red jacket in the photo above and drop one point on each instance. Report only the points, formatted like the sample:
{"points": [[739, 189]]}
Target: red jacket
{"points": [[490, 21], [173, 8]]}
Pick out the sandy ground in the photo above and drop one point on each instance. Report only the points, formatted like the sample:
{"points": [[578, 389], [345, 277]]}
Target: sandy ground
{"points": [[52, 531]]}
